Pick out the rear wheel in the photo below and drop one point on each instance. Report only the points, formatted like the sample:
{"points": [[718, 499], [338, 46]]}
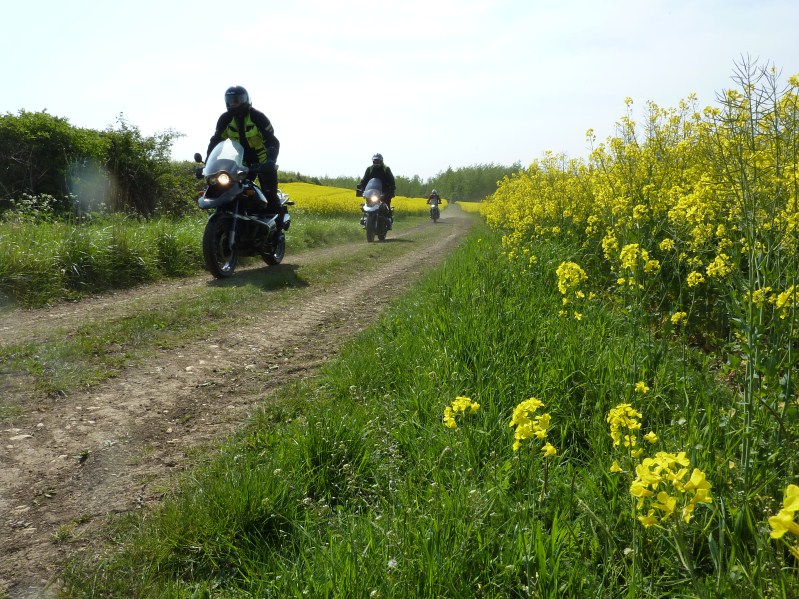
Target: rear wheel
{"points": [[220, 257], [276, 257]]}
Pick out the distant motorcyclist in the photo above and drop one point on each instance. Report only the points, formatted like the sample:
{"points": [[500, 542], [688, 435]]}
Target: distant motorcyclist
{"points": [[378, 170], [434, 197], [253, 130]]}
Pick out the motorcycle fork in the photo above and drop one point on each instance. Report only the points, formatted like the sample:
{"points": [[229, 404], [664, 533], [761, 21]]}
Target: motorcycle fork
{"points": [[233, 229]]}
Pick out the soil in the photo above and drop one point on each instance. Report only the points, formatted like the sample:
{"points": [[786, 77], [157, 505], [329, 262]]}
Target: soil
{"points": [[70, 462]]}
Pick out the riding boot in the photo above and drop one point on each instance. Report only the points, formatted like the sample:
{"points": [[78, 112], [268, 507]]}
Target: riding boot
{"points": [[274, 207]]}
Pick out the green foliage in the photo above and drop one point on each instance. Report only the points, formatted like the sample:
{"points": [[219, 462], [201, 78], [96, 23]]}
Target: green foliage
{"points": [[118, 168], [139, 169], [471, 183], [41, 153], [42, 262], [342, 182], [351, 485], [295, 177]]}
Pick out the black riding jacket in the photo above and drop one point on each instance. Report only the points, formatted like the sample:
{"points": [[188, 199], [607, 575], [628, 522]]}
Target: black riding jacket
{"points": [[252, 130], [383, 173]]}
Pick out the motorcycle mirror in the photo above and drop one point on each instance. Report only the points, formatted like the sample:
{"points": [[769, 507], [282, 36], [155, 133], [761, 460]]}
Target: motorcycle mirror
{"points": [[198, 157]]}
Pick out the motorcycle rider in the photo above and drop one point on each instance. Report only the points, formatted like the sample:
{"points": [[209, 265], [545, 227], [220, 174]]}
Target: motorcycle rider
{"points": [[380, 171], [261, 147], [434, 200], [434, 196]]}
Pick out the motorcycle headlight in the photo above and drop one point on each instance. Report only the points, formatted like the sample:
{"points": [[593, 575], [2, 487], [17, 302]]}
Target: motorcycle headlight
{"points": [[222, 179]]}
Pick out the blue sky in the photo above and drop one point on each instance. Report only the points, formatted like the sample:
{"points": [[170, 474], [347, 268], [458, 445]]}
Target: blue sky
{"points": [[429, 83]]}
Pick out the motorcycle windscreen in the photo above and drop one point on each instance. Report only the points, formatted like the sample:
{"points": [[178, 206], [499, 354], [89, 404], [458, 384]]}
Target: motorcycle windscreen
{"points": [[227, 156], [373, 188]]}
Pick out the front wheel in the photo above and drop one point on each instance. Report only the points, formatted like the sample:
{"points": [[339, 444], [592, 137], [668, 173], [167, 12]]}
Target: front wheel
{"points": [[276, 256], [219, 253], [371, 226]]}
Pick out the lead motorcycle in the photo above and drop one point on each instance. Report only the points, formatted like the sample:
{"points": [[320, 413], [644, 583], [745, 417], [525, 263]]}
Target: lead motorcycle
{"points": [[378, 217], [239, 224]]}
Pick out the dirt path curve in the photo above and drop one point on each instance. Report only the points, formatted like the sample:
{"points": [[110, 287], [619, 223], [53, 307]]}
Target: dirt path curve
{"points": [[112, 449]]}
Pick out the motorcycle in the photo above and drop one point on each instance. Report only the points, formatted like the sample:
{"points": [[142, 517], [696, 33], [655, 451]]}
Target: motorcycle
{"points": [[378, 217], [239, 224], [435, 212]]}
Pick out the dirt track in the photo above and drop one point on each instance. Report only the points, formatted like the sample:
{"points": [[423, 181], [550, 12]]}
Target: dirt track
{"points": [[70, 462]]}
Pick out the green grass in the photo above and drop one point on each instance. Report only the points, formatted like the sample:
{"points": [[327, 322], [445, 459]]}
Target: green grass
{"points": [[61, 360], [41, 263], [350, 485]]}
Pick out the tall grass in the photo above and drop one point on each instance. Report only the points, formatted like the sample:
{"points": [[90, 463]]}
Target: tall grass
{"points": [[42, 262], [48, 261], [352, 485]]}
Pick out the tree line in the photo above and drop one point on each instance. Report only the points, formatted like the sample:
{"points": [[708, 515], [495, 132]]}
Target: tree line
{"points": [[468, 184], [121, 170]]}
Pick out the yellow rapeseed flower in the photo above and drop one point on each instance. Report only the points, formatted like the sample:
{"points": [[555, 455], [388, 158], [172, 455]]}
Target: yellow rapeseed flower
{"points": [[570, 276], [667, 245], [760, 297], [640, 212], [678, 318], [783, 522], [526, 425], [664, 479], [695, 279], [651, 266], [629, 256], [459, 405], [785, 300], [449, 418], [549, 450], [641, 387], [624, 418], [720, 266]]}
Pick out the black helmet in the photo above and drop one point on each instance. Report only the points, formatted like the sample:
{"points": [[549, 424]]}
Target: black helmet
{"points": [[377, 159], [435, 193], [237, 99]]}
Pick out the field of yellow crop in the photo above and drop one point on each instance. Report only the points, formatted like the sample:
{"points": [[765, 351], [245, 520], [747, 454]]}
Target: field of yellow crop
{"points": [[687, 223], [336, 201], [470, 206]]}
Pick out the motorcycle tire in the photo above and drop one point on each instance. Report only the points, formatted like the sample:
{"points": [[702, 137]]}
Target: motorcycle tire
{"points": [[220, 257], [275, 257], [371, 226]]}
